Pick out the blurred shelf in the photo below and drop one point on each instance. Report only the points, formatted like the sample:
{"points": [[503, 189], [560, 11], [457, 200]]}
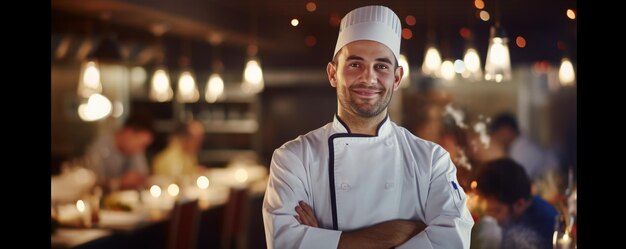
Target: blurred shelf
{"points": [[225, 155], [245, 126]]}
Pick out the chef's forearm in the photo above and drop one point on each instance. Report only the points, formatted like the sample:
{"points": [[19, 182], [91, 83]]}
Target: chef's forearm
{"points": [[383, 235]]}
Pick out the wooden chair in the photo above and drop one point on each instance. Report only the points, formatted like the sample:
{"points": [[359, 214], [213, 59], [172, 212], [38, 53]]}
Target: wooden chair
{"points": [[235, 222], [184, 225]]}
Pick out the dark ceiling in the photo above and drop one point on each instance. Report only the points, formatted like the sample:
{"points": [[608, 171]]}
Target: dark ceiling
{"points": [[239, 22]]}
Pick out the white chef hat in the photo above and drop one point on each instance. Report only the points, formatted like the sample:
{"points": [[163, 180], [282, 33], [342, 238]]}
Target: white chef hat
{"points": [[374, 23]]}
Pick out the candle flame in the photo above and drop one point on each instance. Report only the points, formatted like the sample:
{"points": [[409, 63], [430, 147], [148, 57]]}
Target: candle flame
{"points": [[241, 175], [203, 182], [80, 205], [173, 189], [155, 191]]}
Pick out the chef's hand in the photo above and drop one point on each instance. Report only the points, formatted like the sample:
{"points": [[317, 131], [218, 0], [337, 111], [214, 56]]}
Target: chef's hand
{"points": [[305, 215]]}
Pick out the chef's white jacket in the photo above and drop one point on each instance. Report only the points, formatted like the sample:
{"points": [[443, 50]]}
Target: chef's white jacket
{"points": [[353, 181]]}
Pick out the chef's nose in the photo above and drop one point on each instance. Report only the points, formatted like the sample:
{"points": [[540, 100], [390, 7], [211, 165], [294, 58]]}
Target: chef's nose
{"points": [[369, 75]]}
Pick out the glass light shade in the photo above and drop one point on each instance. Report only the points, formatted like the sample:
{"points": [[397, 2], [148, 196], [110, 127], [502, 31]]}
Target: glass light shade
{"points": [[473, 70], [160, 87], [138, 78], [459, 66], [187, 88], [214, 88], [432, 62], [404, 63], [498, 65], [447, 70], [252, 77], [97, 107], [566, 72], [89, 79]]}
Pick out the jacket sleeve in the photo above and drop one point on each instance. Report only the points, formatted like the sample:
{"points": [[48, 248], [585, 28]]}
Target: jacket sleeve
{"points": [[448, 220], [286, 186]]}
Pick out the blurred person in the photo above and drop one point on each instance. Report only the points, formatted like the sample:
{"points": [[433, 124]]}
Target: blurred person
{"points": [[486, 234], [527, 221], [118, 158], [180, 156], [361, 180], [504, 130]]}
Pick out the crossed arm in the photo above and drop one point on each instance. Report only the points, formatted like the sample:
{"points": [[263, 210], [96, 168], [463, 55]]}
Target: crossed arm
{"points": [[386, 234]]}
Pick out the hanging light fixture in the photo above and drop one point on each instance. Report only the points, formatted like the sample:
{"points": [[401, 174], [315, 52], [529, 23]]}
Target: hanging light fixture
{"points": [[253, 77], [89, 82], [498, 64], [160, 85], [566, 72], [253, 82], [214, 89], [432, 62], [93, 105], [95, 108], [447, 70], [473, 70], [187, 91]]}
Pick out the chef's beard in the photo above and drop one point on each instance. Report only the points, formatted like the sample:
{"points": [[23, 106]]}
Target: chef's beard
{"points": [[364, 109]]}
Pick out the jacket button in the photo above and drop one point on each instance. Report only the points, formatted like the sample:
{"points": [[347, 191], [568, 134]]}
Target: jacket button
{"points": [[388, 143], [388, 185], [345, 186]]}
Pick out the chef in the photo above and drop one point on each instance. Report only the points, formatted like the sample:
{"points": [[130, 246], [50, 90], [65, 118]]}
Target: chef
{"points": [[361, 181]]}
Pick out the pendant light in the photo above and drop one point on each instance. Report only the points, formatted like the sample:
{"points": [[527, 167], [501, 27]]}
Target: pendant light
{"points": [[93, 105], [432, 61], [473, 70], [471, 60], [214, 89], [187, 90], [498, 64], [89, 82], [566, 72], [160, 85], [253, 82]]}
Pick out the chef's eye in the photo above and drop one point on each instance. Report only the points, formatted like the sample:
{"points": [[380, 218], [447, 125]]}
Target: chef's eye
{"points": [[382, 66]]}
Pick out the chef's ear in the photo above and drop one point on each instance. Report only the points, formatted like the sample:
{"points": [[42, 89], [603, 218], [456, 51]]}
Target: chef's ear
{"points": [[331, 70], [398, 73]]}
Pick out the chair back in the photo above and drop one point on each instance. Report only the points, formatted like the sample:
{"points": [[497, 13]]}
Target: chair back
{"points": [[184, 225], [234, 226]]}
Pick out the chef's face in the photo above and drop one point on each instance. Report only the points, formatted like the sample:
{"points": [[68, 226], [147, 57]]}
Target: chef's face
{"points": [[365, 75]]}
